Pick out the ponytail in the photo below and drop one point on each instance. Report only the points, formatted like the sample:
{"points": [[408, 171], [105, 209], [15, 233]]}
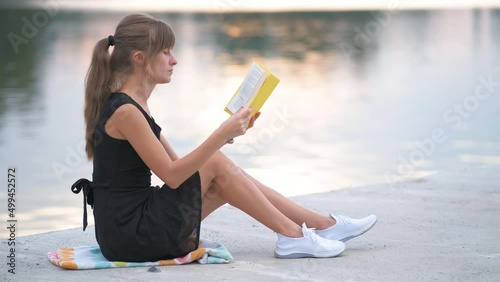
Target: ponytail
{"points": [[97, 91]]}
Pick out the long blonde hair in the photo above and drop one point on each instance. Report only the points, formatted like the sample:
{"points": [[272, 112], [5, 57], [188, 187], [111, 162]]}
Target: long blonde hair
{"points": [[107, 72]]}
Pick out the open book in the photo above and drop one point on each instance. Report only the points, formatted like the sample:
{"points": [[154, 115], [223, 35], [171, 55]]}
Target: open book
{"points": [[254, 91]]}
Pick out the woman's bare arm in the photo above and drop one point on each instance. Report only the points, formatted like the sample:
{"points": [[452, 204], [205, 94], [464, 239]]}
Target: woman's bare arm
{"points": [[170, 151], [133, 127]]}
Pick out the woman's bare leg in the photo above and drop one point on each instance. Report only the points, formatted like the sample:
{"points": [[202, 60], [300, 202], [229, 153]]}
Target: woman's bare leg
{"points": [[292, 210], [222, 181], [211, 201], [298, 214]]}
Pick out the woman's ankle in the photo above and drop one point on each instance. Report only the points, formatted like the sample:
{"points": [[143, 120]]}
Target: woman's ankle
{"points": [[325, 223], [293, 233]]}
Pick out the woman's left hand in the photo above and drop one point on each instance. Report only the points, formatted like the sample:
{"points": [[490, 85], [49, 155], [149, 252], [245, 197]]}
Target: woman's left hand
{"points": [[253, 119]]}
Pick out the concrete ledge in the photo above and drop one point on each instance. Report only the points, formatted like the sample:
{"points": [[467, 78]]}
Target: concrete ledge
{"points": [[445, 227]]}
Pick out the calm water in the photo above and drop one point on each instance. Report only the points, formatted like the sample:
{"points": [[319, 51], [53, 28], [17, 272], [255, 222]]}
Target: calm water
{"points": [[364, 97]]}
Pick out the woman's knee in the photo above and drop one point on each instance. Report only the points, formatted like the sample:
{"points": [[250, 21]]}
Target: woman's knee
{"points": [[226, 169], [217, 170]]}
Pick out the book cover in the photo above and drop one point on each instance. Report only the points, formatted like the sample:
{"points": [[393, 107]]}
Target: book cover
{"points": [[253, 92]]}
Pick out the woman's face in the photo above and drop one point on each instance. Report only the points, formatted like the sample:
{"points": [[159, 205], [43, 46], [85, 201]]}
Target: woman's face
{"points": [[162, 66]]}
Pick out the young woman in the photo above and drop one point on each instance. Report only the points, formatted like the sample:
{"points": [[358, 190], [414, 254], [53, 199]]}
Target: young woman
{"points": [[137, 222]]}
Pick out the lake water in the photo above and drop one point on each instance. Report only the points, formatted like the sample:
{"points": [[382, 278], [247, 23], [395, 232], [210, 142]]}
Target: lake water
{"points": [[365, 97]]}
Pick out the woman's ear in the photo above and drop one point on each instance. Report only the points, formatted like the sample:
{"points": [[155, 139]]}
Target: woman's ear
{"points": [[138, 57]]}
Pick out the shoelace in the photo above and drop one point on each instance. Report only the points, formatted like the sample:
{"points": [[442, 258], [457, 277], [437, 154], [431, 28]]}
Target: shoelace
{"points": [[309, 232]]}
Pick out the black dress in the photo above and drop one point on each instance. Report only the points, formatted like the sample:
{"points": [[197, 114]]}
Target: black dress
{"points": [[135, 221]]}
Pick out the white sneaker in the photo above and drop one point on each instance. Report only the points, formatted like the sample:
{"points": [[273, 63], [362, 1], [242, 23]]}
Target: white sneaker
{"points": [[347, 228], [309, 246]]}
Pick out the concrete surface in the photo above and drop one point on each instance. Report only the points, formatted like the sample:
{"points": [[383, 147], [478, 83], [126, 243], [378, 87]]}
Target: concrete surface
{"points": [[445, 227]]}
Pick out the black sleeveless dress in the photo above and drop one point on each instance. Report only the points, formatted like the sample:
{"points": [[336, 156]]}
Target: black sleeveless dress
{"points": [[135, 221]]}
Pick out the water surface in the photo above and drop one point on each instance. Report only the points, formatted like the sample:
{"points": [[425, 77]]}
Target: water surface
{"points": [[365, 97]]}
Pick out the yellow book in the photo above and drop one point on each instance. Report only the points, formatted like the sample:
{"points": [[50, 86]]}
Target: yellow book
{"points": [[253, 92]]}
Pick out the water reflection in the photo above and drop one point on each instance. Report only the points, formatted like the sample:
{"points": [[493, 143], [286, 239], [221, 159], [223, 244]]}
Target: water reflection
{"points": [[359, 91], [17, 79]]}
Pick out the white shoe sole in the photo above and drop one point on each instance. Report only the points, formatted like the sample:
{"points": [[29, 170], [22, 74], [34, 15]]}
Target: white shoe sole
{"points": [[351, 236], [306, 254]]}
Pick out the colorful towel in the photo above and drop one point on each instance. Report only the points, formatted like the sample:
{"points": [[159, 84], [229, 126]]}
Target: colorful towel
{"points": [[90, 257]]}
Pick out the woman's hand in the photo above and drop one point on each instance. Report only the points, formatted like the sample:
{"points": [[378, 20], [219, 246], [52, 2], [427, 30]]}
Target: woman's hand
{"points": [[250, 125], [237, 124], [253, 119]]}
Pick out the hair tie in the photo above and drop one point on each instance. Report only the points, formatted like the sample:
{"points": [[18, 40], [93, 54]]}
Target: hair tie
{"points": [[111, 40]]}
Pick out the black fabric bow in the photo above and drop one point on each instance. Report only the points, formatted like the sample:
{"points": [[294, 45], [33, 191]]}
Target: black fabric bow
{"points": [[88, 196]]}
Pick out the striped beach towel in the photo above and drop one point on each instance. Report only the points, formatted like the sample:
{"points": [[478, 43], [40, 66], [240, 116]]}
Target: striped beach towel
{"points": [[90, 257]]}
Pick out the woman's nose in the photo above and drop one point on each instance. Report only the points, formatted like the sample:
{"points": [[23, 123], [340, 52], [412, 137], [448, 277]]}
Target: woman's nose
{"points": [[173, 61]]}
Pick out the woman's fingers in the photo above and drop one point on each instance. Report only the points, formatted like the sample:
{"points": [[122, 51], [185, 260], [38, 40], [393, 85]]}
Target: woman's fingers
{"points": [[240, 122], [253, 119], [244, 115]]}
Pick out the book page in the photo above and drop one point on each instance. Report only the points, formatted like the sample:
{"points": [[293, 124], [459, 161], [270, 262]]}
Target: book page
{"points": [[246, 90], [257, 87]]}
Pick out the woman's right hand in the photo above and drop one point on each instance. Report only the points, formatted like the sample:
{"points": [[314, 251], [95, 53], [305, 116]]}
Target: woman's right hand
{"points": [[235, 125]]}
